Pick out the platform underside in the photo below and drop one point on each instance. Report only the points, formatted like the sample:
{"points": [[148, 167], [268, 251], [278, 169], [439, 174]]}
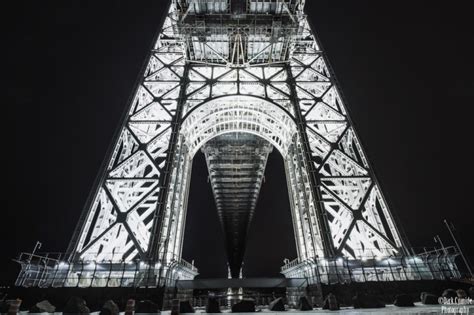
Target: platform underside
{"points": [[236, 164]]}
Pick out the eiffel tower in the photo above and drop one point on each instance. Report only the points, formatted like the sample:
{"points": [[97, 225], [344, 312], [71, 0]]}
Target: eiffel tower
{"points": [[235, 79]]}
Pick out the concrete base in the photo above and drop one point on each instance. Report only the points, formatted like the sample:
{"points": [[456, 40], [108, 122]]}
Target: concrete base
{"points": [[313, 293]]}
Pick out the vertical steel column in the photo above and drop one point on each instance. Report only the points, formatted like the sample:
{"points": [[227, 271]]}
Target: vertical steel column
{"points": [[324, 229], [165, 178]]}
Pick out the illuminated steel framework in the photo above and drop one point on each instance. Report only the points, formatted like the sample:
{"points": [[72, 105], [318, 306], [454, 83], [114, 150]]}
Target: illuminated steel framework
{"points": [[233, 78]]}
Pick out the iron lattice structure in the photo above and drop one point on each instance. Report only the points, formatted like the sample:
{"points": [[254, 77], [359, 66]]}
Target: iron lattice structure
{"points": [[234, 78]]}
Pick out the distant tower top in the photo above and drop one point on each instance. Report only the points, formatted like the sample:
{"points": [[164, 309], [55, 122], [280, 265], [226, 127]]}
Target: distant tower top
{"points": [[240, 33], [241, 6]]}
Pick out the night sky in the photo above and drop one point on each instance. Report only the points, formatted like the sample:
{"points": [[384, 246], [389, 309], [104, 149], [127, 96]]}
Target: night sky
{"points": [[405, 69]]}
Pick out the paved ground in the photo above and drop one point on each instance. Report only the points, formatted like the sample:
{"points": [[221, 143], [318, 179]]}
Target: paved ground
{"points": [[389, 309]]}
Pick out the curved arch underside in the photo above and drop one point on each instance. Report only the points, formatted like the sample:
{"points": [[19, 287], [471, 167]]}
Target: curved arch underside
{"points": [[236, 134], [238, 114]]}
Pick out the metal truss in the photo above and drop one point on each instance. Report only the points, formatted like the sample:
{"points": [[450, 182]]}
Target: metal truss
{"points": [[213, 74], [361, 224]]}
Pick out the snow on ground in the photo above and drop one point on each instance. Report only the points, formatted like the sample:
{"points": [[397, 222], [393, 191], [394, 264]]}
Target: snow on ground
{"points": [[389, 309]]}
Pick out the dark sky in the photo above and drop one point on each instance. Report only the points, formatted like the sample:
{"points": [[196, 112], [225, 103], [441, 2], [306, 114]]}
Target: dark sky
{"points": [[405, 69]]}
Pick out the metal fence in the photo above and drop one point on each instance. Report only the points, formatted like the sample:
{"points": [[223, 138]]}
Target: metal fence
{"points": [[52, 270], [49, 270], [432, 265]]}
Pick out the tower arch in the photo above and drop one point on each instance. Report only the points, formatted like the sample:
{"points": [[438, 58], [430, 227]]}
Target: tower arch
{"points": [[244, 114], [241, 113]]}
